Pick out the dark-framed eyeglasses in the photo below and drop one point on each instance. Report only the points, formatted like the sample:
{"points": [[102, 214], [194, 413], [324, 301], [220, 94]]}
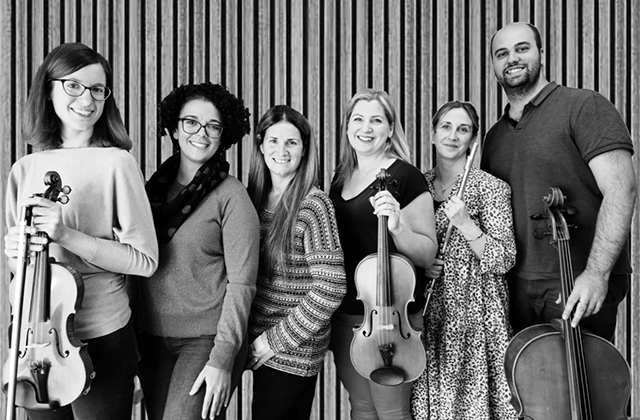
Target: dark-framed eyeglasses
{"points": [[75, 88], [191, 126]]}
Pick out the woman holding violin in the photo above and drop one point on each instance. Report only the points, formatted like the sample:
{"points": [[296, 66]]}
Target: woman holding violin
{"points": [[466, 326], [104, 232], [371, 139]]}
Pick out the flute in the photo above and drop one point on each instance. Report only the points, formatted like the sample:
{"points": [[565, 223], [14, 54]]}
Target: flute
{"points": [[447, 236]]}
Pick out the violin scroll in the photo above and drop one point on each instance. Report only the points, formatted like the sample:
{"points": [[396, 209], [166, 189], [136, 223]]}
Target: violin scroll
{"points": [[55, 192]]}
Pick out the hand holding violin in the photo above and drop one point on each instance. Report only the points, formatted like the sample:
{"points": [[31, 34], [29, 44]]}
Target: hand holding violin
{"points": [[12, 238], [385, 205], [46, 217]]}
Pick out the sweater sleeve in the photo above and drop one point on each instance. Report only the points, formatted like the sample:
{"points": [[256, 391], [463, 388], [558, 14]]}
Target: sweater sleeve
{"points": [[324, 257], [134, 248], [241, 244]]}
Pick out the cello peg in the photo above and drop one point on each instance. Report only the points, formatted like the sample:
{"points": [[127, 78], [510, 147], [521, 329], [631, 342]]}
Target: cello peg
{"points": [[538, 216], [540, 233]]}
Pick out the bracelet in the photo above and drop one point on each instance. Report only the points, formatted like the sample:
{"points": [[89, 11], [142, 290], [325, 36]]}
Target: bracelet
{"points": [[476, 238]]}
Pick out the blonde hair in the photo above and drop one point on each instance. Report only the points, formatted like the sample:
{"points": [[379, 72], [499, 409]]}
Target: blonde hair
{"points": [[396, 145]]}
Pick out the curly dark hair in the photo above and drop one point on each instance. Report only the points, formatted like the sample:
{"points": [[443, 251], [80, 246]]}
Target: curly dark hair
{"points": [[235, 116]]}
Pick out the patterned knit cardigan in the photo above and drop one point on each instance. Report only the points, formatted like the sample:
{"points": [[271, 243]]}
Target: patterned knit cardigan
{"points": [[296, 309]]}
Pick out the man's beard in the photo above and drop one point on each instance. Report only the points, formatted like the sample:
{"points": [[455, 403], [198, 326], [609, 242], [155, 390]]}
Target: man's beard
{"points": [[521, 87]]}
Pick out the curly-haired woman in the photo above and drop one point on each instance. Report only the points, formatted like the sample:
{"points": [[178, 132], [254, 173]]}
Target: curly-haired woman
{"points": [[193, 313]]}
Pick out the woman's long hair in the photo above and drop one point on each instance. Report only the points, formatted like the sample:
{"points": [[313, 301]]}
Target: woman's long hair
{"points": [[396, 145], [277, 242], [41, 125]]}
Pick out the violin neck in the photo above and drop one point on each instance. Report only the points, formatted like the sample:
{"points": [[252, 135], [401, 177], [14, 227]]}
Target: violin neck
{"points": [[383, 292], [41, 298]]}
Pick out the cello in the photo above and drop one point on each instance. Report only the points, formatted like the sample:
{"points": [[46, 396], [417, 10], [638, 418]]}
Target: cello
{"points": [[48, 366], [556, 372], [386, 348]]}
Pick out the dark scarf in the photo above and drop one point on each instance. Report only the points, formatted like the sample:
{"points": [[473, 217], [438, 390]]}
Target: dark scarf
{"points": [[168, 216]]}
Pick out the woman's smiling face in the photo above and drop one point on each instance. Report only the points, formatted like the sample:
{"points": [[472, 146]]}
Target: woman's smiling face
{"points": [[368, 128], [198, 148], [283, 149], [78, 114]]}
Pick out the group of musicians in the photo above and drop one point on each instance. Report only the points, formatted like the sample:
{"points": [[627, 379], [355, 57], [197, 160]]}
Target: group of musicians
{"points": [[191, 278]]}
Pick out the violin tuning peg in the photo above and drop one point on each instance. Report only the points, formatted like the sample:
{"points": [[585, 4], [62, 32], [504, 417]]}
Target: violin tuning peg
{"points": [[538, 216], [66, 189], [569, 210], [63, 199]]}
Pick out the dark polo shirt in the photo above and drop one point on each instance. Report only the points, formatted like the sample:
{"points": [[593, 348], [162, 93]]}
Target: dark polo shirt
{"points": [[560, 131]]}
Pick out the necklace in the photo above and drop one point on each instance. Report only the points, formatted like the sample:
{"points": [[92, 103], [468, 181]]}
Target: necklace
{"points": [[443, 189]]}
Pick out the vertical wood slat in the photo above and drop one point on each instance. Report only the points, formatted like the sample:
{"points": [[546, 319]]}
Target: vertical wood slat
{"points": [[633, 299], [7, 114], [248, 76], [314, 55], [408, 75]]}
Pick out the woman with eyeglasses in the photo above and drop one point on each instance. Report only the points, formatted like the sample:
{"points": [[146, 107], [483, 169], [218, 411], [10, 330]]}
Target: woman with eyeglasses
{"points": [[193, 313], [105, 231]]}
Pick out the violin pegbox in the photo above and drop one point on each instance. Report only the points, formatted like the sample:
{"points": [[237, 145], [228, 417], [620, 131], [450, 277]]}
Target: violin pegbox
{"points": [[56, 192], [385, 183]]}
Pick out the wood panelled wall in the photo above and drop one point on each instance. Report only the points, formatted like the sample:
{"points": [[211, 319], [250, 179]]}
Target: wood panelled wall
{"points": [[314, 55]]}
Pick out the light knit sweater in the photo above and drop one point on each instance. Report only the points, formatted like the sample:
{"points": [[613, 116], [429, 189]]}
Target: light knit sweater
{"points": [[296, 309], [108, 202], [206, 278]]}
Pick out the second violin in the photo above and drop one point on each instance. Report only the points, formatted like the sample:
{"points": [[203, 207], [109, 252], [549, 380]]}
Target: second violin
{"points": [[386, 348]]}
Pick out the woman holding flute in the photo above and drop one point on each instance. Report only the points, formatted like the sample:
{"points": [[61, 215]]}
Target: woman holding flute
{"points": [[466, 323]]}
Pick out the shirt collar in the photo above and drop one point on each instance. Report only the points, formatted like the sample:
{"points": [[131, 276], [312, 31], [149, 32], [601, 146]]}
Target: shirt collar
{"points": [[537, 100]]}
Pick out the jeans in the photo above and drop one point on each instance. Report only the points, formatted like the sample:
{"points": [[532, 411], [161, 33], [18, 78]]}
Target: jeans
{"points": [[169, 366], [368, 399], [114, 358], [291, 399]]}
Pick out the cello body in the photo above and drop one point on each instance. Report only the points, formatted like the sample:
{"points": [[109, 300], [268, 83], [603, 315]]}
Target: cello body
{"points": [[386, 348], [538, 378], [557, 372]]}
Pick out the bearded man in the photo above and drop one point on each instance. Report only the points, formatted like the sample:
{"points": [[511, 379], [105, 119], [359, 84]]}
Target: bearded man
{"points": [[573, 139]]}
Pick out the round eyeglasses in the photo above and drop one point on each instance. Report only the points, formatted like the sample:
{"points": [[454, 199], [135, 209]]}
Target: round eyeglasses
{"points": [[190, 126], [75, 88]]}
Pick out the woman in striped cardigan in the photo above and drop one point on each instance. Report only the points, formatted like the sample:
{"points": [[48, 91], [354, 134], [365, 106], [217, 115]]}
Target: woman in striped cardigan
{"points": [[301, 278]]}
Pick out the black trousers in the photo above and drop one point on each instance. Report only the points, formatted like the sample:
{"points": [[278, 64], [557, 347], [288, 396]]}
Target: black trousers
{"points": [[532, 302], [281, 396]]}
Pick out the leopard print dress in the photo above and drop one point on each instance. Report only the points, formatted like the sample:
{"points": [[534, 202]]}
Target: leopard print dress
{"points": [[466, 327]]}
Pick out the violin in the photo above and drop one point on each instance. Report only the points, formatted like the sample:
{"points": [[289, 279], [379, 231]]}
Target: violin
{"points": [[557, 372], [386, 348], [48, 366]]}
